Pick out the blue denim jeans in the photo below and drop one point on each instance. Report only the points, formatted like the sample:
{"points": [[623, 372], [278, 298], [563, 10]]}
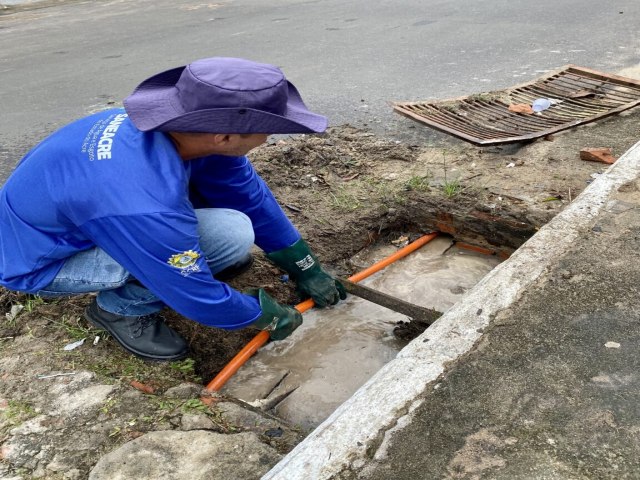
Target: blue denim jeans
{"points": [[226, 237]]}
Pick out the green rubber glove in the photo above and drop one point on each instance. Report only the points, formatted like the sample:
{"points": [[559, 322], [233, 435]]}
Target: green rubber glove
{"points": [[279, 320], [312, 281]]}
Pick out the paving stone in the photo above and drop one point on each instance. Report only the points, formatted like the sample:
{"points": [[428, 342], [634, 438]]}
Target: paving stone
{"points": [[195, 455]]}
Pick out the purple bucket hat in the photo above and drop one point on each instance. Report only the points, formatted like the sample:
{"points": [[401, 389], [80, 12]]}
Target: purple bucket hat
{"points": [[221, 95]]}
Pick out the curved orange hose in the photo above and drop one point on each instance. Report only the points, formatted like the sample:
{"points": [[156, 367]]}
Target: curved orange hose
{"points": [[260, 339]]}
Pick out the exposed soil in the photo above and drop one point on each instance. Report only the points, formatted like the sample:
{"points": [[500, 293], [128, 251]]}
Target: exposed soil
{"points": [[344, 190]]}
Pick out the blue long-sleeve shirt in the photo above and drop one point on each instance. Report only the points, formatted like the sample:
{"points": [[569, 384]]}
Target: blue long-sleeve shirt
{"points": [[101, 182]]}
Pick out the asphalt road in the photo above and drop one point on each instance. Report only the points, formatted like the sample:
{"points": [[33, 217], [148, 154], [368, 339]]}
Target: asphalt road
{"points": [[349, 59]]}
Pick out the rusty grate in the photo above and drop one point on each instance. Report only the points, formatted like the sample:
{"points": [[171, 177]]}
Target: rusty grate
{"points": [[579, 95]]}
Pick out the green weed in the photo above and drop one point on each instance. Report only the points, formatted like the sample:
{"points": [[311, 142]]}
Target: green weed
{"points": [[166, 404], [419, 183], [194, 405], [451, 189], [186, 366], [108, 405], [386, 192], [18, 411], [344, 201], [32, 302], [75, 329]]}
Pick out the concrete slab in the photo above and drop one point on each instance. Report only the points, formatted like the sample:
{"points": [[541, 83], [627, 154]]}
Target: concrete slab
{"points": [[483, 392]]}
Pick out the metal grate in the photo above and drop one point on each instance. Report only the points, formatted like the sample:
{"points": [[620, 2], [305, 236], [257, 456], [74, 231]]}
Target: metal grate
{"points": [[579, 95]]}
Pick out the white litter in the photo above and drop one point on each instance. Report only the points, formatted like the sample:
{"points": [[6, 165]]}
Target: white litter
{"points": [[41, 377], [511, 165], [612, 345], [74, 345], [96, 340], [14, 312]]}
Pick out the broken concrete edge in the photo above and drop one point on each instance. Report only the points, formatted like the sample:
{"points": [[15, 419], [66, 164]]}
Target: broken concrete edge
{"points": [[361, 427]]}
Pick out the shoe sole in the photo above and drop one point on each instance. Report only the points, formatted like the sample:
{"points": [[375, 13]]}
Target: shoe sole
{"points": [[98, 324]]}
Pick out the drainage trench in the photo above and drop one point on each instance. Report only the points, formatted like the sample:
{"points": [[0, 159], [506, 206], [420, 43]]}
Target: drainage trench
{"points": [[304, 378]]}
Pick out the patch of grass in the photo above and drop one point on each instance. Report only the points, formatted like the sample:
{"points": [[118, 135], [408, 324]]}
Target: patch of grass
{"points": [[31, 302], [418, 183], [386, 192], [108, 404], [451, 188], [194, 405], [75, 328], [343, 200], [114, 364], [122, 365], [18, 411], [186, 366]]}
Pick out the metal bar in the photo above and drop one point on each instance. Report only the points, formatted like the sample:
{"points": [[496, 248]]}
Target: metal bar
{"points": [[502, 116], [609, 89], [416, 312], [461, 123]]}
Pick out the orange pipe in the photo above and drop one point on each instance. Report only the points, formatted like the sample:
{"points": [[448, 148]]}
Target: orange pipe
{"points": [[260, 339]]}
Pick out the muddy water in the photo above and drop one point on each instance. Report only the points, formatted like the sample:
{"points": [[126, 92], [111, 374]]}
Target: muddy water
{"points": [[338, 349]]}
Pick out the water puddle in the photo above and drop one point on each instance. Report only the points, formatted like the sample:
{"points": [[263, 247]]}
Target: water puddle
{"points": [[307, 376]]}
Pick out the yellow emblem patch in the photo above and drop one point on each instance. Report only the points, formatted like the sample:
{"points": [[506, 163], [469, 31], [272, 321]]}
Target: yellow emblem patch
{"points": [[184, 259]]}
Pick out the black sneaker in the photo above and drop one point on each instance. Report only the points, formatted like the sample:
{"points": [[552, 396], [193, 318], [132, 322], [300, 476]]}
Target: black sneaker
{"points": [[234, 270], [145, 336]]}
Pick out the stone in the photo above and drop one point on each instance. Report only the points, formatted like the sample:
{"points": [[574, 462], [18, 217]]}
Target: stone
{"points": [[82, 400], [194, 455], [74, 474], [184, 391], [245, 418], [256, 385], [5, 474], [190, 421]]}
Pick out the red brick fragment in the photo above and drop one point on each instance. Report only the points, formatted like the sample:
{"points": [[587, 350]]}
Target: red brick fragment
{"points": [[142, 387], [602, 155]]}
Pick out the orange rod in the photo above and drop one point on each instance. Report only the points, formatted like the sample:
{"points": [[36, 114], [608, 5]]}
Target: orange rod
{"points": [[403, 252], [260, 339]]}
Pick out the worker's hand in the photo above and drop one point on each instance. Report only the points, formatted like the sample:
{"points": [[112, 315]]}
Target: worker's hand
{"points": [[322, 288], [312, 280], [279, 320]]}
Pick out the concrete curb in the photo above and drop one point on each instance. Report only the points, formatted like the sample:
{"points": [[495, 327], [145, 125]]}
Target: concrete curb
{"points": [[359, 429]]}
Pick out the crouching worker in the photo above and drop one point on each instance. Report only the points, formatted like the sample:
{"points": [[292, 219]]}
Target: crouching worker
{"points": [[157, 205]]}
